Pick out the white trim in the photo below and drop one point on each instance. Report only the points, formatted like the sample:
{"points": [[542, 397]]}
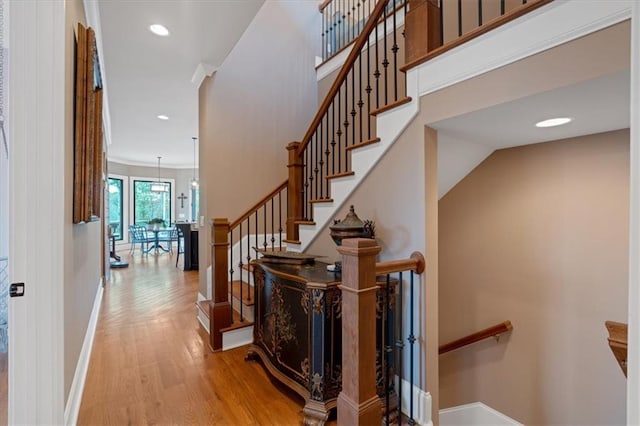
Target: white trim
{"points": [[421, 403], [202, 318], [236, 338], [542, 29], [37, 174], [72, 409], [202, 71], [127, 162], [633, 367], [475, 412], [92, 15]]}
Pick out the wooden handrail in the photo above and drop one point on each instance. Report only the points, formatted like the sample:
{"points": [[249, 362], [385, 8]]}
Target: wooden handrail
{"points": [[259, 204], [360, 42], [324, 4], [415, 263], [496, 330]]}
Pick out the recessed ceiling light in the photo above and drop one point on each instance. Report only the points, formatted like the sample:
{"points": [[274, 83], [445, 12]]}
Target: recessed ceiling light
{"points": [[552, 122], [158, 29], [163, 117]]}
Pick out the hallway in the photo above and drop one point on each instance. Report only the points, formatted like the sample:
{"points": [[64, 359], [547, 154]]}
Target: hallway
{"points": [[150, 363]]}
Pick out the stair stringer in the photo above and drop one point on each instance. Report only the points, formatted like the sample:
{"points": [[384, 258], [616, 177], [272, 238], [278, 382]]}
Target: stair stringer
{"points": [[390, 125]]}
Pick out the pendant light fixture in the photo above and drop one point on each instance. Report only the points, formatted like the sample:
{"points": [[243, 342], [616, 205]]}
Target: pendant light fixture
{"points": [[194, 181], [159, 186]]}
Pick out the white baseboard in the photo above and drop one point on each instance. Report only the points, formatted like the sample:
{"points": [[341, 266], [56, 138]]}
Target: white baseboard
{"points": [[421, 403], [235, 338], [202, 318], [475, 414], [74, 400]]}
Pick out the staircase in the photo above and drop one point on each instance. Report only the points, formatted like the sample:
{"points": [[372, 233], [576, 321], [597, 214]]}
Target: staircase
{"points": [[367, 108]]}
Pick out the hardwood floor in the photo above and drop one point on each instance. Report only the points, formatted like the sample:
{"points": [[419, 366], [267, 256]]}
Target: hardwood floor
{"points": [[151, 364]]}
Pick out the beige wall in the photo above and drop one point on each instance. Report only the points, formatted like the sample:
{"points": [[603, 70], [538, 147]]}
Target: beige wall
{"points": [[82, 243], [262, 97], [538, 235]]}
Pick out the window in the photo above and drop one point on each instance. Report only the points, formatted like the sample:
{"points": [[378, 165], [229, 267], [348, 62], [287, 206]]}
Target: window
{"points": [[148, 204], [116, 202]]}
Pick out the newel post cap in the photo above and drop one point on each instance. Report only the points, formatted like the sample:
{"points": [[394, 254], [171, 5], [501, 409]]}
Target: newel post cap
{"points": [[359, 247]]}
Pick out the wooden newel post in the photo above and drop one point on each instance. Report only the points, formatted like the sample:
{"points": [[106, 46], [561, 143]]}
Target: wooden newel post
{"points": [[219, 308], [358, 403], [422, 28], [295, 191]]}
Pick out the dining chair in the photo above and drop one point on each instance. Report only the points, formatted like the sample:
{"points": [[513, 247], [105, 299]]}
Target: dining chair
{"points": [[138, 234], [180, 241]]}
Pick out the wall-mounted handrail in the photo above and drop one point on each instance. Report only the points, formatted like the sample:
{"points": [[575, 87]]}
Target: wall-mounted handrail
{"points": [[496, 330]]}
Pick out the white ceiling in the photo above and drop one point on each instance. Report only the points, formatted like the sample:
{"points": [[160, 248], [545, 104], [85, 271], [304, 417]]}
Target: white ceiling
{"points": [[597, 105], [148, 75]]}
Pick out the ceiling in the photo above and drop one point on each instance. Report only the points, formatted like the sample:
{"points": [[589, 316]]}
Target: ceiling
{"points": [[595, 106], [148, 75]]}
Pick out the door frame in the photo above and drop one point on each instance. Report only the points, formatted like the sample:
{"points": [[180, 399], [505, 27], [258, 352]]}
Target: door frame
{"points": [[37, 200]]}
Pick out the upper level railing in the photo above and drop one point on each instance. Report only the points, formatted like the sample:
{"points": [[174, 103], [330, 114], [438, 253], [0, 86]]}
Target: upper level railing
{"points": [[343, 20]]}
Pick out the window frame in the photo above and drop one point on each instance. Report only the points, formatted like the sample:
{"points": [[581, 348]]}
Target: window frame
{"points": [[125, 205], [172, 188]]}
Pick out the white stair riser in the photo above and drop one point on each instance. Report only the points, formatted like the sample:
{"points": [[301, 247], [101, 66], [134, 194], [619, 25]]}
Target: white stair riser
{"points": [[247, 311]]}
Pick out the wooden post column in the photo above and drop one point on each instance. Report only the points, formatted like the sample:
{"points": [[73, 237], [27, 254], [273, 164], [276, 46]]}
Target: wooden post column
{"points": [[422, 28], [358, 403], [219, 307], [295, 191]]}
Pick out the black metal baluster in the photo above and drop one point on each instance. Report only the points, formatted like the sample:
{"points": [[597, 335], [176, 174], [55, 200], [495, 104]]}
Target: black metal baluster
{"points": [[305, 186], [344, 26], [385, 61], [333, 137], [400, 346], [273, 219], [502, 8], [394, 49], [264, 216], [360, 101], [315, 165], [231, 270], [240, 267], [256, 234], [387, 351], [322, 39], [326, 155], [441, 12], [459, 18], [479, 13], [346, 122], [280, 218], [321, 162], [332, 29], [369, 83], [376, 73], [339, 133], [412, 341], [248, 261], [353, 106]]}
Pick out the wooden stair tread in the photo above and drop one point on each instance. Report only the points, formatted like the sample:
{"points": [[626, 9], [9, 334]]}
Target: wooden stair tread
{"points": [[247, 267], [304, 222], [322, 200], [247, 290], [339, 175], [203, 305], [391, 106], [292, 241], [237, 324], [362, 144]]}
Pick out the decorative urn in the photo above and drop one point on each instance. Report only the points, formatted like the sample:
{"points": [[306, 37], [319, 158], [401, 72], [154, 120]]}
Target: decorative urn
{"points": [[351, 227]]}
